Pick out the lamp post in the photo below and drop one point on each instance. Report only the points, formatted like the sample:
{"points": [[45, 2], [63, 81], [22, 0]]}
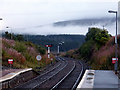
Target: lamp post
{"points": [[116, 55], [59, 47]]}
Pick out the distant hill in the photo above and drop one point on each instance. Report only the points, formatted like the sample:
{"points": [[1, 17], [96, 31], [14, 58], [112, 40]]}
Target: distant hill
{"points": [[71, 41], [84, 22]]}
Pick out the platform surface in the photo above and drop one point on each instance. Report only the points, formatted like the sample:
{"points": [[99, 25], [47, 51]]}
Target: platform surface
{"points": [[105, 79], [101, 80]]}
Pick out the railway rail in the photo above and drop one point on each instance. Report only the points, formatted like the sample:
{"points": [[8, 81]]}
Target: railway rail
{"points": [[71, 80], [51, 82], [66, 74], [43, 77]]}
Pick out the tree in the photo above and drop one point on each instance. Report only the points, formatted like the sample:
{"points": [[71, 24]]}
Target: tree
{"points": [[87, 49], [20, 38], [41, 50], [92, 33], [7, 35], [95, 38], [102, 37], [10, 35]]}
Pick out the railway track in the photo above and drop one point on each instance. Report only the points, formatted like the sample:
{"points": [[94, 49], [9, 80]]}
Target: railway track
{"points": [[66, 74], [71, 80], [51, 82], [43, 77]]}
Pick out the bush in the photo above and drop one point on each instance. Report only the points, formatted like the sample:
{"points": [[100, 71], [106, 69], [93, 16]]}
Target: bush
{"points": [[92, 33], [87, 49], [29, 57], [20, 47], [41, 50], [19, 37], [102, 38], [29, 44], [23, 53]]}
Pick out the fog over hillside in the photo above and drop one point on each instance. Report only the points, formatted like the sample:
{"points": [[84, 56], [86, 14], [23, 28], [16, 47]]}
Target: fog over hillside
{"points": [[86, 22], [78, 26]]}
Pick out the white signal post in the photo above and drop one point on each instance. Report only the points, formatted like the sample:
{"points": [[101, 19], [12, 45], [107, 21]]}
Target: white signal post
{"points": [[48, 46], [59, 47], [48, 52]]}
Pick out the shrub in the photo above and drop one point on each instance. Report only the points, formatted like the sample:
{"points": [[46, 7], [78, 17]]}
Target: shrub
{"points": [[23, 53], [29, 44], [87, 49], [41, 50], [101, 38], [20, 47], [19, 37], [8, 43], [92, 33]]}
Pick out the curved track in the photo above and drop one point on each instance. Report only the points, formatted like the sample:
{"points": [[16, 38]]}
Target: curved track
{"points": [[66, 74], [52, 81], [43, 77], [71, 80]]}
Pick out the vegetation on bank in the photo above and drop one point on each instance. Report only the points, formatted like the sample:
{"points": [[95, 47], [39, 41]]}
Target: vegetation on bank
{"points": [[98, 49], [71, 41], [23, 53]]}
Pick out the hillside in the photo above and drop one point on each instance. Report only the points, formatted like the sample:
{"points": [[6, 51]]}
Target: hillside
{"points": [[23, 53], [103, 57], [70, 41], [84, 22], [98, 49]]}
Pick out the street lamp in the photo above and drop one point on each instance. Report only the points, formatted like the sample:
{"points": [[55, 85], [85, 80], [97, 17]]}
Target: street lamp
{"points": [[116, 63], [59, 47]]}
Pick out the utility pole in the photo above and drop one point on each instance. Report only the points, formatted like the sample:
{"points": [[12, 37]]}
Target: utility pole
{"points": [[103, 27]]}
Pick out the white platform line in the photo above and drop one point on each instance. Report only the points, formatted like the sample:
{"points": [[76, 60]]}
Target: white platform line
{"points": [[85, 83], [12, 75]]}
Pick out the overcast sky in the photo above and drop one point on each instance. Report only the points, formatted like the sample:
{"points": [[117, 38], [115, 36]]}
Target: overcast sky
{"points": [[24, 15]]}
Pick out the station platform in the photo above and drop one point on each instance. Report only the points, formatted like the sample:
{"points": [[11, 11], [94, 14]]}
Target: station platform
{"points": [[99, 80], [11, 73]]}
